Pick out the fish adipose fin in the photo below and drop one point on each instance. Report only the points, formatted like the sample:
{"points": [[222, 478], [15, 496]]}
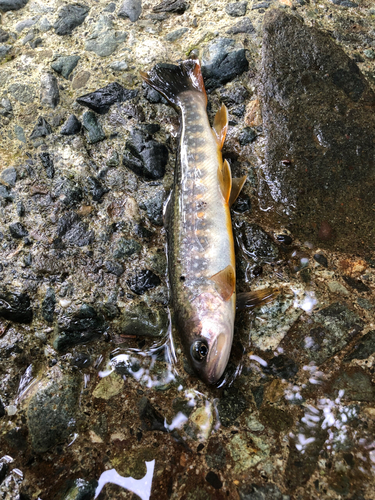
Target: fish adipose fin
{"points": [[225, 281], [237, 185], [171, 80], [250, 300], [220, 125], [225, 180]]}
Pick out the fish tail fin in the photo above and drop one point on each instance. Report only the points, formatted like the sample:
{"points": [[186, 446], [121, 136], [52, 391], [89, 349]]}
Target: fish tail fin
{"points": [[171, 80], [250, 300]]}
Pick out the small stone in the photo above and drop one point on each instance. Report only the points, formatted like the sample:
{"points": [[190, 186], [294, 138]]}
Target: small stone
{"points": [[48, 305], [154, 208], [369, 53], [364, 348], [36, 43], [5, 193], [275, 418], [105, 39], [126, 248], [216, 454], [64, 65], [247, 136], [15, 306], [143, 281], [109, 386], [119, 66], [356, 284], [6, 5], [336, 287], [19, 133], [321, 259], [20, 209], [72, 126], [96, 188], [236, 9], [4, 51], [18, 230], [9, 176], [26, 23], [176, 6], [344, 3], [102, 99], [176, 35], [47, 163], [144, 321], [268, 491], [69, 17], [73, 230], [152, 95], [258, 244], [213, 479], [325, 231], [281, 366], [22, 92], [114, 159], [151, 419], [81, 490], [114, 268], [80, 79], [285, 239], [45, 25], [111, 7], [93, 127], [49, 90], [3, 36], [131, 9], [247, 450], [243, 26], [261, 5], [357, 386], [230, 406], [41, 129], [364, 303]]}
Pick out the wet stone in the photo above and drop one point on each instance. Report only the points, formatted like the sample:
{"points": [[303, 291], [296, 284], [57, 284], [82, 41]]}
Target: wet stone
{"points": [[102, 99], [97, 190], [143, 281], [49, 90], [357, 386], [231, 406], [282, 367], [126, 248], [175, 6], [154, 208], [2, 414], [256, 492], [216, 456], [48, 305], [72, 126], [243, 26], [152, 95], [6, 5], [321, 259], [18, 230], [258, 244], [69, 17], [364, 348], [93, 127], [236, 9], [9, 176], [51, 413], [242, 204], [340, 130], [15, 306], [47, 163], [81, 490], [64, 65], [221, 63], [41, 129], [151, 419], [143, 321], [130, 9], [81, 360], [114, 268], [275, 418], [247, 136], [83, 326], [74, 231], [356, 284], [213, 479]]}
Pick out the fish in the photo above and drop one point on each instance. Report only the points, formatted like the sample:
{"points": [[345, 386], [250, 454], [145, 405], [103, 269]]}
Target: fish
{"points": [[201, 254]]}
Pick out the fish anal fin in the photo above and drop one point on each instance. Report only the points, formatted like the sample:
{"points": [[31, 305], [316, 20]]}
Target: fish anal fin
{"points": [[237, 185], [225, 180], [225, 281], [220, 125], [250, 300]]}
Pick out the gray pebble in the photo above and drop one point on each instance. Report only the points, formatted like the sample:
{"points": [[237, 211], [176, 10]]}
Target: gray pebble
{"points": [[131, 9], [49, 90]]}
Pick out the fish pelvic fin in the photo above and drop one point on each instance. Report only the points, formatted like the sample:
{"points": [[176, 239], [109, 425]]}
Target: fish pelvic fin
{"points": [[237, 185], [171, 80], [250, 300], [220, 125], [225, 281], [225, 180]]}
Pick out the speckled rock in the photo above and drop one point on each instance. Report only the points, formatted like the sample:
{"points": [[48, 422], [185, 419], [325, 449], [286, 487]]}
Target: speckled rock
{"points": [[257, 492], [6, 5], [142, 281], [243, 26], [64, 65], [49, 90], [257, 244], [22, 92], [81, 490], [41, 129], [72, 126], [236, 9], [69, 17], [48, 305], [154, 208], [230, 406], [9, 176], [175, 6], [364, 348], [93, 127], [102, 99], [47, 162], [15, 306], [130, 9], [105, 39], [143, 321]]}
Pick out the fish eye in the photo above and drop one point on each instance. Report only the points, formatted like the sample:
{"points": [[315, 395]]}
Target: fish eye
{"points": [[199, 350]]}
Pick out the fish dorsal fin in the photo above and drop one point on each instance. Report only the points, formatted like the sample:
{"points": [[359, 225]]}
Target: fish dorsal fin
{"points": [[250, 300], [225, 180], [225, 281], [237, 185], [220, 125]]}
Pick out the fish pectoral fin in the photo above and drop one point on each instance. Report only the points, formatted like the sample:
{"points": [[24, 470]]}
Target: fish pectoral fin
{"points": [[225, 281], [237, 185], [250, 300], [225, 180], [220, 125]]}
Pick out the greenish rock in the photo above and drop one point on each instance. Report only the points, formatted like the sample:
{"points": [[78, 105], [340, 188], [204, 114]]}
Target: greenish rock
{"points": [[216, 455], [9, 176], [22, 92], [93, 127], [357, 386], [51, 413], [143, 321], [337, 287], [364, 347], [109, 386], [364, 303], [64, 65], [105, 40], [132, 463], [268, 491], [81, 490], [114, 159], [198, 493], [176, 35], [275, 418], [230, 406], [4, 51], [126, 248], [154, 208], [253, 424], [247, 452], [48, 305], [369, 53], [20, 133]]}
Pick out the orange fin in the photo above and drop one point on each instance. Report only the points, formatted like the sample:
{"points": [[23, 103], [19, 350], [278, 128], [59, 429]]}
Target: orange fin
{"points": [[250, 300], [220, 125], [237, 185], [226, 282], [225, 180]]}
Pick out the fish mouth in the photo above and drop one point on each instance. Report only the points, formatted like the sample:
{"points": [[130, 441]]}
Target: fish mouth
{"points": [[217, 359]]}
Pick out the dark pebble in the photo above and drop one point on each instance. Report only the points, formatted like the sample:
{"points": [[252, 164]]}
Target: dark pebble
{"points": [[247, 135], [143, 281], [114, 268], [364, 348], [20, 209], [257, 243], [150, 128], [356, 284], [49, 90], [151, 419], [47, 163], [6, 5], [36, 43], [267, 492], [154, 208], [239, 111], [261, 5], [41, 129], [15, 306], [236, 9], [213, 479], [126, 248], [230, 406], [18, 230], [216, 457], [9, 176], [344, 3], [64, 65], [152, 95], [5, 193], [48, 305], [130, 9], [81, 360], [96, 188], [175, 6], [3, 36], [321, 259], [243, 26], [102, 99], [281, 367], [325, 231], [242, 204], [69, 17], [72, 126], [285, 239], [74, 231], [93, 127]]}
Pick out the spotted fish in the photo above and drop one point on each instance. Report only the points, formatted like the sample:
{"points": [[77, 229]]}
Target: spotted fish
{"points": [[201, 254]]}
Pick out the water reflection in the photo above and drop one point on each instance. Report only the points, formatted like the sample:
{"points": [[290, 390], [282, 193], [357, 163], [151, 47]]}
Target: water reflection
{"points": [[141, 487]]}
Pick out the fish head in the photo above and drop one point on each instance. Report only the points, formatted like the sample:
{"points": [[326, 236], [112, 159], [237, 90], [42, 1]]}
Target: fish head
{"points": [[210, 344]]}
